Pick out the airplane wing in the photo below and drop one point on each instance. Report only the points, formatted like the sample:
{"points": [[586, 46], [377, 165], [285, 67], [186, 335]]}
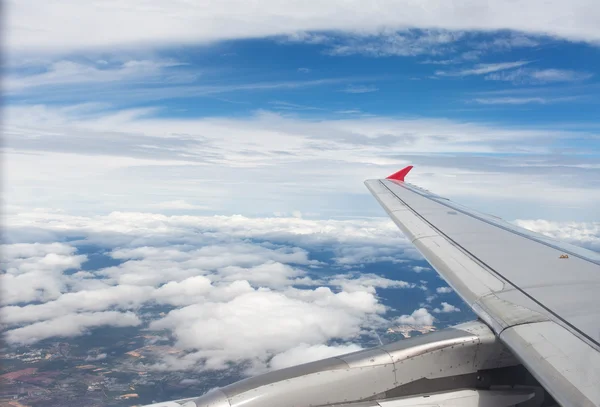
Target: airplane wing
{"points": [[541, 297]]}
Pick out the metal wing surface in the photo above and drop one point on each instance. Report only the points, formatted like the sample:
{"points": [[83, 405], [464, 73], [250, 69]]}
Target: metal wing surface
{"points": [[540, 296]]}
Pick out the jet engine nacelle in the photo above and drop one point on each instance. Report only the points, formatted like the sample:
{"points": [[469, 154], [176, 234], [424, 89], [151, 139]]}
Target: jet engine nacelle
{"points": [[444, 362]]}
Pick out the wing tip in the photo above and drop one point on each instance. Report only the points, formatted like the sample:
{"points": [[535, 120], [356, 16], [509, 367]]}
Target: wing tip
{"points": [[400, 175]]}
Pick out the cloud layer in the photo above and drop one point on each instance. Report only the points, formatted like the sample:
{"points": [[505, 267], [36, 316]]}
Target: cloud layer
{"points": [[180, 22], [122, 159], [217, 278], [586, 234]]}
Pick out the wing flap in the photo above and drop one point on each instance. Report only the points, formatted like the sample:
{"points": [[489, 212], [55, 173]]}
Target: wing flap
{"points": [[568, 368]]}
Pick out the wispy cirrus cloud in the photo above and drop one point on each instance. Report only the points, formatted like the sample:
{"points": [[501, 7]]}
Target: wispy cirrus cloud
{"points": [[540, 76], [133, 89], [474, 46], [282, 105], [360, 89], [510, 41], [482, 69], [560, 75], [449, 46], [524, 100], [66, 72], [404, 43], [112, 154]]}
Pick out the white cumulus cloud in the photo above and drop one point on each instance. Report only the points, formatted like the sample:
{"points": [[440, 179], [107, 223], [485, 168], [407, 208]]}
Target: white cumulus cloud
{"points": [[446, 308], [419, 316], [70, 325], [229, 331], [220, 278], [33, 271]]}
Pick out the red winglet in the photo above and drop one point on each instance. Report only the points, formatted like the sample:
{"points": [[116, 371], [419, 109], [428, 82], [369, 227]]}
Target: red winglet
{"points": [[399, 176]]}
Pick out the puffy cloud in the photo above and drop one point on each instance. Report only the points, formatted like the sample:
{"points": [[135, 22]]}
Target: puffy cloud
{"points": [[419, 317], [100, 356], [367, 282], [153, 265], [33, 271], [29, 251], [270, 274], [419, 269], [69, 325], [228, 331], [443, 290], [202, 243], [121, 296], [22, 258], [220, 275], [195, 289], [422, 286], [32, 286], [446, 308]]}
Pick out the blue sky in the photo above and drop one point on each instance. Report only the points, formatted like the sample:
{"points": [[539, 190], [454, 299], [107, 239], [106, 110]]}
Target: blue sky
{"points": [[228, 109], [521, 80]]}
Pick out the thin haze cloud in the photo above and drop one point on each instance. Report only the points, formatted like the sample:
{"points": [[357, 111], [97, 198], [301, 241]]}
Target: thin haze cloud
{"points": [[181, 22]]}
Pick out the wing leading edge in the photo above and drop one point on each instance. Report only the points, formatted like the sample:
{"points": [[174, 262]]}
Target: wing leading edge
{"points": [[540, 296]]}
